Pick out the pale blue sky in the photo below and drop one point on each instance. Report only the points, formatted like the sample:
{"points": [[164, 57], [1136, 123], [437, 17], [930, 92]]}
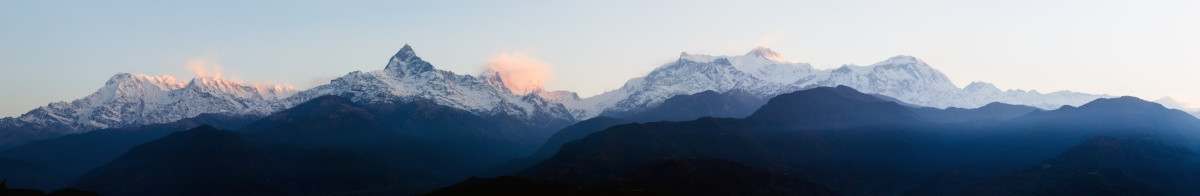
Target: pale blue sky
{"points": [[60, 51]]}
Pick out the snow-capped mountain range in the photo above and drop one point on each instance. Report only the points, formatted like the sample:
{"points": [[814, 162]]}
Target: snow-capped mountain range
{"points": [[407, 77], [763, 73], [138, 99]]}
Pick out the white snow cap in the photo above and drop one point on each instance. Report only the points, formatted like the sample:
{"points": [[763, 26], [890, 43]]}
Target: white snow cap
{"points": [[406, 62], [765, 53]]}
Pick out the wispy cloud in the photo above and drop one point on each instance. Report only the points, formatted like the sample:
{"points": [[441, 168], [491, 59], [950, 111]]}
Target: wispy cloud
{"points": [[208, 66], [521, 73], [204, 67]]}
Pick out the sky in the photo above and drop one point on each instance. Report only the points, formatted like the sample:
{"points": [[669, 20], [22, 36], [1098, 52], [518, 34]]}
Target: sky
{"points": [[64, 50]]}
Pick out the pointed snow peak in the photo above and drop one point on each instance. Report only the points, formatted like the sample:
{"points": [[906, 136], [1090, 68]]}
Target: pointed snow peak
{"points": [[765, 53], [1167, 99], [904, 61], [699, 58], [917, 68], [406, 62], [119, 78], [1171, 102], [407, 49], [845, 69], [981, 87], [492, 78]]}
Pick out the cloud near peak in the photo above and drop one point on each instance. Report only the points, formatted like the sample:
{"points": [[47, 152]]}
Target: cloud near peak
{"points": [[521, 73], [204, 67]]}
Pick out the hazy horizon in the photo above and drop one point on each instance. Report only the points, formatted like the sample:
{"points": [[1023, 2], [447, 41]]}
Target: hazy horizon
{"points": [[64, 52]]}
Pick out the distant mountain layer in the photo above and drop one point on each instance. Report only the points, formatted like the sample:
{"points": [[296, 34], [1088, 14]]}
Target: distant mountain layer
{"points": [[860, 144]]}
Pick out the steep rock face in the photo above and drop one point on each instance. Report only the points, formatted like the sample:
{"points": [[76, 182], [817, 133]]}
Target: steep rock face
{"points": [[135, 99], [408, 78], [764, 74]]}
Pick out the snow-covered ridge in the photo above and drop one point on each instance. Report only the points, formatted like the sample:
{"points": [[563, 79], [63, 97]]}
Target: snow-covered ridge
{"points": [[138, 99], [245, 91], [408, 77], [764, 73]]}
